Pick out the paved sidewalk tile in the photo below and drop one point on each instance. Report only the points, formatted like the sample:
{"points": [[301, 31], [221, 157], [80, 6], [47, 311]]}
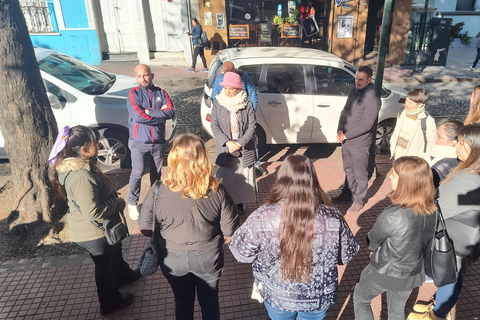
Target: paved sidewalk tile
{"points": [[68, 291]]}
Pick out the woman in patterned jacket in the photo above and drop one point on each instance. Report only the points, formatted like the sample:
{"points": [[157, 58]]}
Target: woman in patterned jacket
{"points": [[298, 243]]}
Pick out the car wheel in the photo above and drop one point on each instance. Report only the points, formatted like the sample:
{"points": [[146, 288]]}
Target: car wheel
{"points": [[114, 152], [260, 137], [384, 133]]}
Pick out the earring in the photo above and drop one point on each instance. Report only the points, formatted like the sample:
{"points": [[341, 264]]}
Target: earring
{"points": [[86, 155]]}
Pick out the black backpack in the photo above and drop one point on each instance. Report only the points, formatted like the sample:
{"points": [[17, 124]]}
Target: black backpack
{"points": [[204, 39]]}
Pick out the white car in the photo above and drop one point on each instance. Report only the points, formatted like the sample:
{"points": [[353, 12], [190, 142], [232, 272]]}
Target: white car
{"points": [[81, 94], [301, 93]]}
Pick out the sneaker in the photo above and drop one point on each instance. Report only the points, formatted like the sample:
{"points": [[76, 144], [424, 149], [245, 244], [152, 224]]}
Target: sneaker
{"points": [[472, 68], [191, 70], [428, 315], [133, 212], [262, 171], [240, 208], [125, 301], [204, 70], [345, 195], [423, 307], [355, 208]]}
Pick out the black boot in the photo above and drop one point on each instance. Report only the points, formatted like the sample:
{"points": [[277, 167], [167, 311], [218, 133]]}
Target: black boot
{"points": [[125, 299]]}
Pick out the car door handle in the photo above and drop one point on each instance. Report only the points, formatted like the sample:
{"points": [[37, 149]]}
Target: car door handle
{"points": [[274, 103], [323, 106]]}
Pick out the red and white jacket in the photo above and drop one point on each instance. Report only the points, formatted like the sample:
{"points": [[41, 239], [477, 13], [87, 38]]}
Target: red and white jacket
{"points": [[148, 128]]}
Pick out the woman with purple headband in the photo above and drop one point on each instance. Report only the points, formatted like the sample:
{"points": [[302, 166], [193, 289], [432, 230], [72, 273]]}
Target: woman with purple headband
{"points": [[77, 179]]}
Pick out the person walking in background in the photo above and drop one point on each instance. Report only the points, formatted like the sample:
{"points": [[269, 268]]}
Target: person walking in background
{"points": [[195, 217], [233, 126], [458, 196], [198, 49], [477, 58], [444, 153], [355, 129], [251, 91], [397, 241], [307, 14], [414, 133], [148, 107], [295, 243], [473, 115], [77, 179]]}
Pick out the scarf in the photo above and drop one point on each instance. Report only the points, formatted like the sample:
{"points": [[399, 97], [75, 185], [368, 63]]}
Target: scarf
{"points": [[416, 112], [233, 105]]}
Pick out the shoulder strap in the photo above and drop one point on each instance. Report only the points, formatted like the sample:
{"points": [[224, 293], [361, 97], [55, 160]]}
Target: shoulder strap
{"points": [[423, 123], [155, 195]]}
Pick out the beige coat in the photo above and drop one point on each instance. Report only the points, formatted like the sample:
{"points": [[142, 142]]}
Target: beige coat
{"points": [[416, 144], [89, 191]]}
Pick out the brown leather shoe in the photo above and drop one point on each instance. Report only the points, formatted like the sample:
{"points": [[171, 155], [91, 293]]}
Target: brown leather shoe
{"points": [[355, 208]]}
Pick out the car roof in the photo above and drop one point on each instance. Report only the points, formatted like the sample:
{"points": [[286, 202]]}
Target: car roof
{"points": [[41, 53], [277, 52]]}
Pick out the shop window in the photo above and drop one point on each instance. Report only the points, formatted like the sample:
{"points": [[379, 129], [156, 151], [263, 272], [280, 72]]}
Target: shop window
{"points": [[39, 16], [465, 5], [333, 81], [285, 78], [245, 11], [253, 72]]}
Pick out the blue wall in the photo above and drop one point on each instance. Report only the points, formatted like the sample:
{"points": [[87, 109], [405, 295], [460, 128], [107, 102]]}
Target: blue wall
{"points": [[79, 43]]}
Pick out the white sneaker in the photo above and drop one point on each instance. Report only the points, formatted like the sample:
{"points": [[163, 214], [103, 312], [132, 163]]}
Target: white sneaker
{"points": [[133, 211], [472, 68]]}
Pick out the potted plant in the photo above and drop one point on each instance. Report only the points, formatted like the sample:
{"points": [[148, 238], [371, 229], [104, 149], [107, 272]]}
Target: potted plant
{"points": [[277, 21], [292, 19]]}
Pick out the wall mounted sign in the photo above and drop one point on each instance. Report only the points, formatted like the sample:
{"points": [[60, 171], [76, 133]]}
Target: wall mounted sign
{"points": [[339, 2], [346, 5], [239, 31], [345, 27], [291, 31], [265, 32], [208, 18], [220, 21]]}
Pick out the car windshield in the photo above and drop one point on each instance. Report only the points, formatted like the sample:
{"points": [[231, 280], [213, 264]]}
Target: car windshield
{"points": [[77, 74]]}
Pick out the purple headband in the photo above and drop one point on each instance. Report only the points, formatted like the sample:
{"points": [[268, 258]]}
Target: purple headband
{"points": [[60, 143]]}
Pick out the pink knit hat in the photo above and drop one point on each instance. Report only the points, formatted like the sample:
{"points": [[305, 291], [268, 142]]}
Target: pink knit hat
{"points": [[232, 80]]}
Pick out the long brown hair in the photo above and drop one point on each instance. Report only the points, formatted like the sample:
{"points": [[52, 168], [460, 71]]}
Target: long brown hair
{"points": [[415, 188], [297, 185], [473, 115], [191, 170], [471, 136], [79, 136]]}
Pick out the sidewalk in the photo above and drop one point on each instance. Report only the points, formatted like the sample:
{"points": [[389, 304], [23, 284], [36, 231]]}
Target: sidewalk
{"points": [[64, 287]]}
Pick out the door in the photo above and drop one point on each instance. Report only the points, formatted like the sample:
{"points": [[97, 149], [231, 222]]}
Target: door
{"points": [[167, 22], [285, 104], [333, 86], [118, 25]]}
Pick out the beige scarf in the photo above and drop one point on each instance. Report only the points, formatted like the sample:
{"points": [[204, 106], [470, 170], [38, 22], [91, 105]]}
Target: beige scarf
{"points": [[233, 105]]}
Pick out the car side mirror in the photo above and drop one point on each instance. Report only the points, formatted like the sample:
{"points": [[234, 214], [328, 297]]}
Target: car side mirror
{"points": [[54, 101]]}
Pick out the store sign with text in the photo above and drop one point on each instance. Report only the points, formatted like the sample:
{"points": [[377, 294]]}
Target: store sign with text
{"points": [[339, 2]]}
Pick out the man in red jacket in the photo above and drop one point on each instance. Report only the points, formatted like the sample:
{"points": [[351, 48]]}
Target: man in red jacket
{"points": [[149, 107]]}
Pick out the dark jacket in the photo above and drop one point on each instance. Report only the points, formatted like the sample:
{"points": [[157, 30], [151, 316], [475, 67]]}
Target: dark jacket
{"points": [[196, 34], [221, 130], [187, 224], [247, 83], [95, 196], [359, 114], [148, 128], [398, 239], [442, 168]]}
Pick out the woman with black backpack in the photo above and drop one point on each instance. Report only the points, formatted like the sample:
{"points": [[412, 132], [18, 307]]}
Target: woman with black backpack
{"points": [[198, 46]]}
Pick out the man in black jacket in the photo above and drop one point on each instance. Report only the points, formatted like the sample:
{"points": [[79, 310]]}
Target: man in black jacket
{"points": [[355, 130]]}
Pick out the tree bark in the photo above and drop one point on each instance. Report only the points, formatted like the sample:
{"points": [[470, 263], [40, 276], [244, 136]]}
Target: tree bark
{"points": [[26, 121]]}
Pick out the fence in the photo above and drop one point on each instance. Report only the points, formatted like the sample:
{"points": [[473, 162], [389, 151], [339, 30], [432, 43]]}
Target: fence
{"points": [[38, 16]]}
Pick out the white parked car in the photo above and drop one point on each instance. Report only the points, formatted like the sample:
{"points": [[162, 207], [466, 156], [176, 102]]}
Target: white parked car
{"points": [[301, 93], [81, 94]]}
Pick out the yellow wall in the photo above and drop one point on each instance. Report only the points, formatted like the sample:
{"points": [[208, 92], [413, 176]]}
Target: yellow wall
{"points": [[214, 34]]}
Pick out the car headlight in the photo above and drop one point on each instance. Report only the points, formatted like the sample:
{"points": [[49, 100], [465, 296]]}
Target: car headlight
{"points": [[207, 99]]}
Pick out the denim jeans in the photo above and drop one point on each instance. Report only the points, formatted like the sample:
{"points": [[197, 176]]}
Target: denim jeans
{"points": [[447, 297], [109, 267], [476, 58], [366, 290], [154, 152], [187, 271], [279, 314]]}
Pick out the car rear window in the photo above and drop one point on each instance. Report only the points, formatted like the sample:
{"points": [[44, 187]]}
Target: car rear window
{"points": [[333, 81], [285, 78], [253, 72]]}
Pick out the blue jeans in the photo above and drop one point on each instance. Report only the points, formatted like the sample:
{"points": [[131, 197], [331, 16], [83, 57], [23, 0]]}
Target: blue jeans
{"points": [[447, 297], [138, 150], [476, 58], [187, 271], [279, 314]]}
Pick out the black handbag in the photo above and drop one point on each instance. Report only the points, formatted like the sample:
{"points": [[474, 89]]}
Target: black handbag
{"points": [[439, 256], [149, 259], [465, 233], [114, 228]]}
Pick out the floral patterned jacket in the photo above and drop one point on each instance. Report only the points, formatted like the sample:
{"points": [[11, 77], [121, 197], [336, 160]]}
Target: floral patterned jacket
{"points": [[257, 242]]}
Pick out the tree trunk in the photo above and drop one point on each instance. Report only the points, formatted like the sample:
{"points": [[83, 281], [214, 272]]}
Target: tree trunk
{"points": [[26, 122]]}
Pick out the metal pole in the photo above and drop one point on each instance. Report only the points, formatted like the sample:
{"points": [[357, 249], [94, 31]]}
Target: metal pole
{"points": [[423, 21], [382, 48]]}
